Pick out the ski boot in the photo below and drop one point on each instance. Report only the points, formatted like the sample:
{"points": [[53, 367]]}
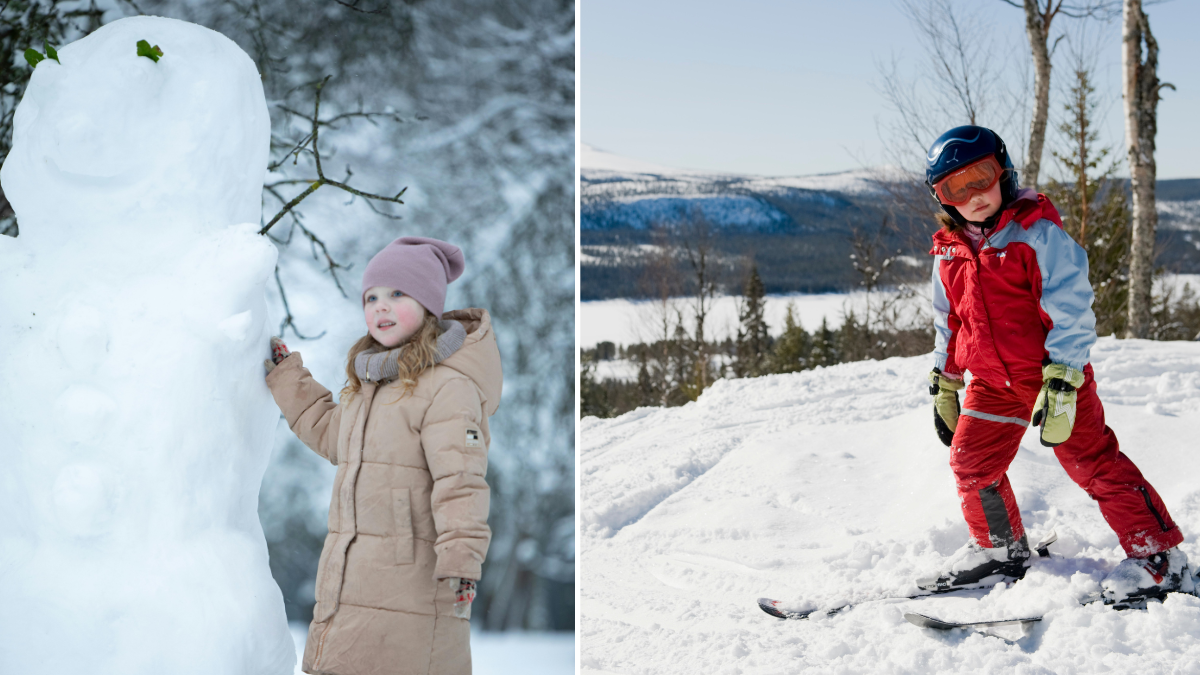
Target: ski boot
{"points": [[973, 566], [1139, 579]]}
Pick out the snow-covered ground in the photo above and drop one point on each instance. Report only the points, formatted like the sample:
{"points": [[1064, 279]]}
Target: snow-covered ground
{"points": [[828, 486], [512, 653]]}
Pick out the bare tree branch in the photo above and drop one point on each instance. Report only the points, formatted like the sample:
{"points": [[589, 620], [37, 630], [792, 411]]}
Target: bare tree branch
{"points": [[310, 143], [354, 6], [288, 319]]}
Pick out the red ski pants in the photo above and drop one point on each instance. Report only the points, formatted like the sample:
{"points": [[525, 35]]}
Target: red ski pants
{"points": [[989, 431]]}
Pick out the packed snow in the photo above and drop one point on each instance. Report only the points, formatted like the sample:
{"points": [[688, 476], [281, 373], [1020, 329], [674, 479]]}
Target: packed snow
{"points": [[830, 486], [135, 424]]}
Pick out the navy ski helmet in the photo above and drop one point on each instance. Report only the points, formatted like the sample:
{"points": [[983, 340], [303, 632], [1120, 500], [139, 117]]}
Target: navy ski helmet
{"points": [[961, 146]]}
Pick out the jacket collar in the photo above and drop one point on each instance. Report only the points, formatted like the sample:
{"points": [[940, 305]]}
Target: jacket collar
{"points": [[1028, 208]]}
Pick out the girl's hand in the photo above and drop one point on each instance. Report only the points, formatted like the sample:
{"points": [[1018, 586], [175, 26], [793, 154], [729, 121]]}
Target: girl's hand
{"points": [[464, 595], [279, 352], [945, 404]]}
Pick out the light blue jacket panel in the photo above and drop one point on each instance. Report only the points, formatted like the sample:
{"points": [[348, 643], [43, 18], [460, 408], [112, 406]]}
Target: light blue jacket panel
{"points": [[1066, 292], [941, 318]]}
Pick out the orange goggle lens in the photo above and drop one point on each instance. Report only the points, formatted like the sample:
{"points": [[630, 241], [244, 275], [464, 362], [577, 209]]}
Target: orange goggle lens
{"points": [[957, 188]]}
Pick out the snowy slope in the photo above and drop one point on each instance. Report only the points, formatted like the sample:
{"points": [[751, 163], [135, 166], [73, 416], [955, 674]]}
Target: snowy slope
{"points": [[830, 486]]}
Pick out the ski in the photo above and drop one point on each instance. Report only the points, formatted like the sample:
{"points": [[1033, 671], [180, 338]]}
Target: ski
{"points": [[773, 608], [925, 621]]}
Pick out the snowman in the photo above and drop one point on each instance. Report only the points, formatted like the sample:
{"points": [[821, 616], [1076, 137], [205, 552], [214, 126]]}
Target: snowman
{"points": [[135, 424]]}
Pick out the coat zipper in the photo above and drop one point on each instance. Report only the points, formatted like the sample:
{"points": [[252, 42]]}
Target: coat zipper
{"points": [[1150, 505]]}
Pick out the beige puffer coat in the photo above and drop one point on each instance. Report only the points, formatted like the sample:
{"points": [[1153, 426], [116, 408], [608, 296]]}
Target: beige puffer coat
{"points": [[409, 508]]}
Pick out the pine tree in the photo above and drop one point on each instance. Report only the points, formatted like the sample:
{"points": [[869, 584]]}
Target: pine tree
{"points": [[793, 348], [593, 399], [853, 339], [824, 347], [1094, 207], [647, 393], [753, 340]]}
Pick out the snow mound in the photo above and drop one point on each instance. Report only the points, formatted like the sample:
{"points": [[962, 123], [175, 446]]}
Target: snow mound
{"points": [[135, 424], [830, 486]]}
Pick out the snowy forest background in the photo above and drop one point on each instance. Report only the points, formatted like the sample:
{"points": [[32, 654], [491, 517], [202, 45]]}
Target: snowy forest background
{"points": [[467, 106]]}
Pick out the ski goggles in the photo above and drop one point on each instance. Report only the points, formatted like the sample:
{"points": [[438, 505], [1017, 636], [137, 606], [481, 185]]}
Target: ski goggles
{"points": [[958, 188]]}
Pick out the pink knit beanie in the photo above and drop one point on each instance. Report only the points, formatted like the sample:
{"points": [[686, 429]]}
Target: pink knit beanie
{"points": [[417, 266]]}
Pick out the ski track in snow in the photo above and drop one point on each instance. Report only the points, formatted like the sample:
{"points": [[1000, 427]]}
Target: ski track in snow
{"points": [[830, 486]]}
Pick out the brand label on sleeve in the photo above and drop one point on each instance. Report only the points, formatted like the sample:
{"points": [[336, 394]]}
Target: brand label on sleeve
{"points": [[473, 440]]}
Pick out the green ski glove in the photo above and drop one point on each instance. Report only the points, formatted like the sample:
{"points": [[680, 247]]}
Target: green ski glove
{"points": [[1054, 411], [945, 404]]}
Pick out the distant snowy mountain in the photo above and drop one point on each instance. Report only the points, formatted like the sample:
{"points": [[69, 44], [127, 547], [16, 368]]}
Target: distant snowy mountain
{"points": [[797, 229], [782, 223], [619, 192], [828, 486]]}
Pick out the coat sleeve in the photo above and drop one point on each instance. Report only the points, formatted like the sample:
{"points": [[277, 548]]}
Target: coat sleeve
{"points": [[453, 436], [308, 407], [1060, 280], [945, 325]]}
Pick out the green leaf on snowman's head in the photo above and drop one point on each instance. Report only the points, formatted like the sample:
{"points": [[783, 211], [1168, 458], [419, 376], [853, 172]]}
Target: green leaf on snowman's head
{"points": [[152, 53], [51, 53], [34, 57]]}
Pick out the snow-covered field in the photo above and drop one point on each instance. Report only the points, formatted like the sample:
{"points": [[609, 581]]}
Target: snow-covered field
{"points": [[624, 322], [512, 653], [828, 486]]}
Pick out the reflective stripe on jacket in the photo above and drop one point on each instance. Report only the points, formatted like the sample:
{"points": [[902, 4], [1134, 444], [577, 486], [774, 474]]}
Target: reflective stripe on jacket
{"points": [[1023, 297]]}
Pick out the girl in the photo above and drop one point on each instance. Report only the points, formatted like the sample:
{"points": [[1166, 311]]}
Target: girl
{"points": [[1012, 304], [408, 518]]}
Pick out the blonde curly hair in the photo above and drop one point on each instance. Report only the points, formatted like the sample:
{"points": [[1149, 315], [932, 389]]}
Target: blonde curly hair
{"points": [[414, 357]]}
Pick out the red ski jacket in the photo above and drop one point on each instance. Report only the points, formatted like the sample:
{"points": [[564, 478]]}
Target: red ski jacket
{"points": [[1022, 298]]}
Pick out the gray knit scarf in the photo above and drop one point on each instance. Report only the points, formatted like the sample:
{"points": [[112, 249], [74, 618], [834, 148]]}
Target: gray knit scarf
{"points": [[377, 366]]}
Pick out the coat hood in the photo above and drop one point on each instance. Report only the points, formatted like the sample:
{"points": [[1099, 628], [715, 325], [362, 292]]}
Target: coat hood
{"points": [[479, 356], [1028, 208]]}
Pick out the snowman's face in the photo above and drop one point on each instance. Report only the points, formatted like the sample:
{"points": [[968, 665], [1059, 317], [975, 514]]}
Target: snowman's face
{"points": [[392, 317], [100, 119], [107, 138]]}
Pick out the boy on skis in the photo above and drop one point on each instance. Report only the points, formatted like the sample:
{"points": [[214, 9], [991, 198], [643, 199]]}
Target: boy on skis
{"points": [[1012, 304]]}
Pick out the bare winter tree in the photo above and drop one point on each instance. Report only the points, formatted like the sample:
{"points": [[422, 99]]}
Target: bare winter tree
{"points": [[697, 238], [1037, 29], [1038, 17], [961, 82], [1141, 89], [660, 280]]}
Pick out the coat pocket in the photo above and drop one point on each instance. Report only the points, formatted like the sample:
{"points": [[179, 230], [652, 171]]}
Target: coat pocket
{"points": [[402, 514]]}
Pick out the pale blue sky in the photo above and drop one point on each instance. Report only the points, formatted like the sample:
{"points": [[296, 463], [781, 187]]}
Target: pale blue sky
{"points": [[787, 87]]}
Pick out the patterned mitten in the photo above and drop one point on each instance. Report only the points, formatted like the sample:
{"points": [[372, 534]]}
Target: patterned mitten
{"points": [[464, 595], [1054, 410], [279, 352], [945, 404]]}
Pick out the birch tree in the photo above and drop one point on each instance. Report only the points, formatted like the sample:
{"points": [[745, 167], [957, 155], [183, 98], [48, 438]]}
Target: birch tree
{"points": [[1140, 89], [1037, 29], [1038, 17]]}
